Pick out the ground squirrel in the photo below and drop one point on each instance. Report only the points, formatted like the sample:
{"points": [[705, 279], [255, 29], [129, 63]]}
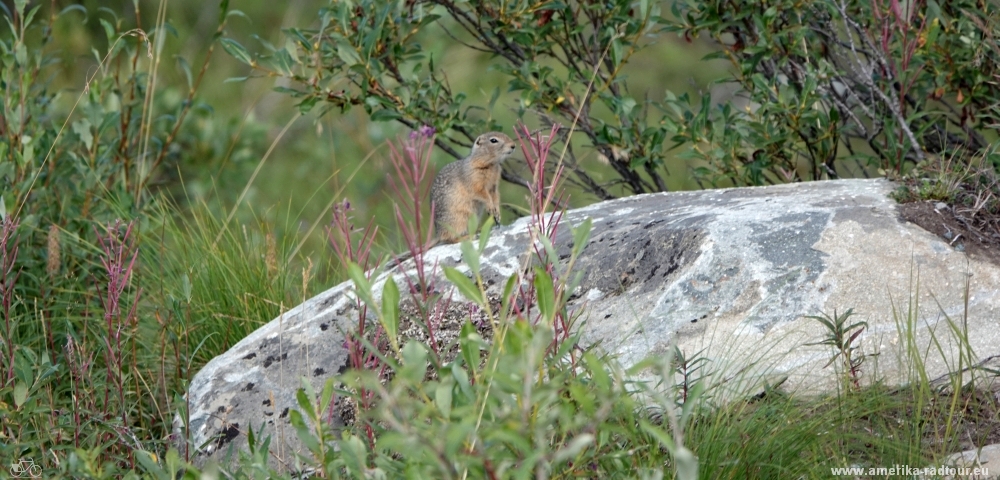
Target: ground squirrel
{"points": [[465, 187]]}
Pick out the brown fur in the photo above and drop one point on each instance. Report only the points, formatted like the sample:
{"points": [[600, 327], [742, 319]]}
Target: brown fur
{"points": [[466, 187]]}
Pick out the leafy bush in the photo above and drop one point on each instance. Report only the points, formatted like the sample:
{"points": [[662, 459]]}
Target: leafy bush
{"points": [[838, 88], [85, 380], [833, 88], [369, 54]]}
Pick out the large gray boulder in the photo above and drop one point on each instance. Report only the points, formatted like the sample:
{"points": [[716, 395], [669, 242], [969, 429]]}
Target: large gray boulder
{"points": [[727, 273]]}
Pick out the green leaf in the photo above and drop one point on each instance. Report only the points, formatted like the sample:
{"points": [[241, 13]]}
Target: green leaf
{"points": [[470, 341], [30, 16], [348, 55], [484, 235], [283, 62], [575, 446], [176, 465], [466, 287], [27, 152], [361, 284], [659, 434], [599, 371], [616, 51], [384, 115], [186, 287], [12, 28], [6, 168], [223, 9], [471, 256], [355, 455], [21, 54], [109, 30], [183, 65], [268, 45], [303, 431], [581, 235], [251, 438], [545, 293], [493, 99], [82, 130], [442, 398], [368, 43], [236, 50], [414, 362], [687, 463], [290, 91], [150, 465], [326, 396], [238, 13], [307, 104], [625, 106], [20, 394], [550, 250], [462, 379], [305, 403], [390, 308]]}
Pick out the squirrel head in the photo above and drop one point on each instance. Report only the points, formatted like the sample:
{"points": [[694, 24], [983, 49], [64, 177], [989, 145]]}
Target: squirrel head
{"points": [[494, 144]]}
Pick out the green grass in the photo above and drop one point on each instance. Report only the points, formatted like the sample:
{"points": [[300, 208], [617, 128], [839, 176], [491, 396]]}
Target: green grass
{"points": [[223, 282]]}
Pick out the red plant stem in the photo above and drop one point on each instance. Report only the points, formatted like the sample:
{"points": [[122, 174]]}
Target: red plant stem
{"points": [[542, 194], [341, 234], [8, 255], [119, 257], [411, 160]]}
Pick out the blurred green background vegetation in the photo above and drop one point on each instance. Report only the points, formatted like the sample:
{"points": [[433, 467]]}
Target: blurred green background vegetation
{"points": [[315, 161]]}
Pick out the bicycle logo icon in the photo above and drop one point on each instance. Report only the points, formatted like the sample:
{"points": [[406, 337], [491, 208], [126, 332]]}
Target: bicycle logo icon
{"points": [[25, 468]]}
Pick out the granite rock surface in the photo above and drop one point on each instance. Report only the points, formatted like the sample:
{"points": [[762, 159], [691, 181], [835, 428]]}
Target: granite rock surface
{"points": [[732, 274]]}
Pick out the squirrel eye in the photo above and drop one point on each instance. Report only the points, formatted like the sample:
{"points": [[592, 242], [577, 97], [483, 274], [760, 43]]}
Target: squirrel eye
{"points": [[493, 140]]}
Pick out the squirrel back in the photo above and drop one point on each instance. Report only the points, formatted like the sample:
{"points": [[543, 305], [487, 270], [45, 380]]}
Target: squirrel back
{"points": [[466, 187]]}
